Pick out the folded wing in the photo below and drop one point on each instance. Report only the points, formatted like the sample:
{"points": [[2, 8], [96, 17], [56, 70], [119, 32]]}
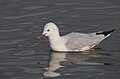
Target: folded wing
{"points": [[76, 41]]}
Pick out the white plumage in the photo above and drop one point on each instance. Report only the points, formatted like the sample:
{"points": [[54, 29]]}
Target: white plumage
{"points": [[73, 41]]}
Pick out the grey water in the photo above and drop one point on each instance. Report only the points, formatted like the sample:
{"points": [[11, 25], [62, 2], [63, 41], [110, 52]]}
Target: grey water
{"points": [[24, 57]]}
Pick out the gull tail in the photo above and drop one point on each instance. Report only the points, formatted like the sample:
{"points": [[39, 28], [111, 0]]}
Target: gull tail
{"points": [[105, 33]]}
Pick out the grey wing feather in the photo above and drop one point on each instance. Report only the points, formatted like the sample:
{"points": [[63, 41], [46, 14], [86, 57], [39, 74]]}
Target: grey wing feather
{"points": [[76, 41]]}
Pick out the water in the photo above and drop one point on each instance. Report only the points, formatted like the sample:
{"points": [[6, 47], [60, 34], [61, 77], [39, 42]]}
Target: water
{"points": [[24, 57]]}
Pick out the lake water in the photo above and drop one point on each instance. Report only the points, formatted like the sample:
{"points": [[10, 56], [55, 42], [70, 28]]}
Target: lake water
{"points": [[24, 57]]}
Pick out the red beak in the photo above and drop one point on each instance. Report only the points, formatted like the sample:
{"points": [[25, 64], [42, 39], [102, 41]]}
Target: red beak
{"points": [[40, 37]]}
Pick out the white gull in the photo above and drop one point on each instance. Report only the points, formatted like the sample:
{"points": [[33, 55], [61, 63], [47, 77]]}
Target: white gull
{"points": [[73, 41]]}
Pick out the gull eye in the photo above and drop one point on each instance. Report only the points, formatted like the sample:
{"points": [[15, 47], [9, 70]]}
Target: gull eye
{"points": [[48, 30]]}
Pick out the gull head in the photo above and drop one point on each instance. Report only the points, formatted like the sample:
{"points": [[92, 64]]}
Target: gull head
{"points": [[50, 29]]}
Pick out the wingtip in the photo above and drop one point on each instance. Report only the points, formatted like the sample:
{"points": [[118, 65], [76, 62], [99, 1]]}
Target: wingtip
{"points": [[105, 33]]}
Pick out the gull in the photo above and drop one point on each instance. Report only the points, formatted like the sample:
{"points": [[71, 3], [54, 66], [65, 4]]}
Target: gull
{"points": [[74, 41]]}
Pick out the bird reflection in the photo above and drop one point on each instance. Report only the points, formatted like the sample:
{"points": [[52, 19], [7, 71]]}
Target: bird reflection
{"points": [[54, 63], [56, 58]]}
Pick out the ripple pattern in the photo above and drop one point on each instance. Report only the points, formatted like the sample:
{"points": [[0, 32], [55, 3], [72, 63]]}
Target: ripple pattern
{"points": [[22, 20]]}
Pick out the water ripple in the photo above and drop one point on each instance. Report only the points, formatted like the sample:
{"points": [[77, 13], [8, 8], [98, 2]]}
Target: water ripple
{"points": [[27, 15], [26, 23], [34, 7], [9, 73], [107, 7], [7, 50], [31, 70], [10, 30], [12, 42], [66, 3], [25, 53], [29, 45], [112, 13], [2, 68]]}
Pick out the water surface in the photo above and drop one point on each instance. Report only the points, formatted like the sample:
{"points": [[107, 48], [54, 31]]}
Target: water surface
{"points": [[24, 57]]}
